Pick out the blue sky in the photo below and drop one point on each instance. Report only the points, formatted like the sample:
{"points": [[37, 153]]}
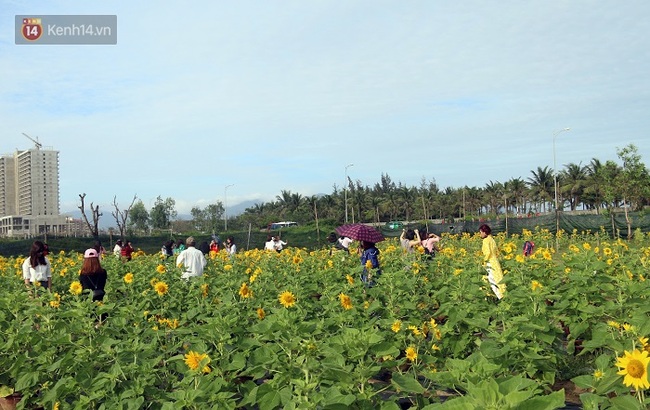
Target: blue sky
{"points": [[282, 95]]}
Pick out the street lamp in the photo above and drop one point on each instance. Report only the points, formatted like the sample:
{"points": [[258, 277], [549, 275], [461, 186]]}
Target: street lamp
{"points": [[557, 215], [555, 134], [225, 207], [345, 191]]}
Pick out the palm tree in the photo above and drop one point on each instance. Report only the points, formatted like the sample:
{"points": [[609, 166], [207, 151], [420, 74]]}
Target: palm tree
{"points": [[573, 180], [541, 186], [493, 194], [408, 197], [312, 203], [473, 202], [593, 194], [517, 190], [329, 207], [375, 202], [391, 201], [283, 201]]}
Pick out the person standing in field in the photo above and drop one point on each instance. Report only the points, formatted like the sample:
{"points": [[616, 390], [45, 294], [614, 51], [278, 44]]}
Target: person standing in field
{"points": [[100, 249], [92, 276], [214, 246], [278, 244], [430, 244], [491, 261], [269, 245], [409, 239], [166, 249], [344, 243], [180, 247], [37, 267], [117, 250], [231, 248], [191, 260], [369, 262], [127, 251]]}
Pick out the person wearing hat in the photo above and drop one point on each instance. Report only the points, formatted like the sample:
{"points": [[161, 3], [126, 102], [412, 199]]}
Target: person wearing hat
{"points": [[191, 260], [92, 276]]}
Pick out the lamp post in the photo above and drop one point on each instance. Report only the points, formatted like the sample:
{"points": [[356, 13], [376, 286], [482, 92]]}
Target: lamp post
{"points": [[345, 191], [557, 215], [225, 207]]}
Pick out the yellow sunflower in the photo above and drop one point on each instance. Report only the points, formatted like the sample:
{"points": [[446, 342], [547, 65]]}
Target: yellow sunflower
{"points": [[397, 326], [194, 359], [75, 287], [411, 353], [287, 299], [161, 269], [128, 278], [346, 302], [634, 366], [350, 279], [161, 288], [534, 285], [245, 291], [261, 314]]}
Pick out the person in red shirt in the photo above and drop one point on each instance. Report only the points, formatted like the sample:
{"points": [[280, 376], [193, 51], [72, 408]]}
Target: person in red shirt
{"points": [[126, 251]]}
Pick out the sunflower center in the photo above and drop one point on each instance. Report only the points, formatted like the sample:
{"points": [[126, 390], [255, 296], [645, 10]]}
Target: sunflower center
{"points": [[635, 368]]}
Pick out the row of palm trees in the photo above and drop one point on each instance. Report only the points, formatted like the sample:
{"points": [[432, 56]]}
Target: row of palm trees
{"points": [[589, 187]]}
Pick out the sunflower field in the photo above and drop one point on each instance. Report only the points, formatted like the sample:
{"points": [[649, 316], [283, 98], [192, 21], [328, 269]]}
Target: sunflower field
{"points": [[298, 329]]}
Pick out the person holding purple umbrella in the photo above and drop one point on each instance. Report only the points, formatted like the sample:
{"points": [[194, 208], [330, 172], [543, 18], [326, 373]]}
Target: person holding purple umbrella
{"points": [[370, 263]]}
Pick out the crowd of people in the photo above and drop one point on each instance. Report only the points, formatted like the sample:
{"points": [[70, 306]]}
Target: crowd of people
{"points": [[37, 270]]}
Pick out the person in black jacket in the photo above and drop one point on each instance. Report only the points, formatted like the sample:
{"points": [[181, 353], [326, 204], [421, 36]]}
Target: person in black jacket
{"points": [[92, 276]]}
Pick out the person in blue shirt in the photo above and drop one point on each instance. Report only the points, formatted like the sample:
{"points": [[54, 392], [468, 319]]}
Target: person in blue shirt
{"points": [[370, 263]]}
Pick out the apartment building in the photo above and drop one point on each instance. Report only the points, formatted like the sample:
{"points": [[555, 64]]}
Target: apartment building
{"points": [[29, 194]]}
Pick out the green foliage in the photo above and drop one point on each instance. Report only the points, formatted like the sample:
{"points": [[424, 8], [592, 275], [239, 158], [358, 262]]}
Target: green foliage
{"points": [[429, 335]]}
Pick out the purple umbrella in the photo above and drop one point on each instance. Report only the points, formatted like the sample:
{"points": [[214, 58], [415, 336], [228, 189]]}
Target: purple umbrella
{"points": [[360, 232]]}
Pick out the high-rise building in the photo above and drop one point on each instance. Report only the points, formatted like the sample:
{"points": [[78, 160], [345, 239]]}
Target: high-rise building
{"points": [[29, 193]]}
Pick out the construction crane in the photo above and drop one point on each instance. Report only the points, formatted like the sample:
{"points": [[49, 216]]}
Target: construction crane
{"points": [[35, 141]]}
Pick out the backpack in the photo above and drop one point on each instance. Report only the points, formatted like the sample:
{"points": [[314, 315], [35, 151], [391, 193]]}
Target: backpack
{"points": [[529, 246]]}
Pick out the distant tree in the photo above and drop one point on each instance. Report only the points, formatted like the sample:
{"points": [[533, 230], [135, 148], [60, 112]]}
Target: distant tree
{"points": [[139, 217], [593, 196], [198, 218], [517, 191], [572, 182], [122, 216], [94, 227], [633, 182], [162, 213], [611, 192], [541, 186], [493, 195], [208, 218]]}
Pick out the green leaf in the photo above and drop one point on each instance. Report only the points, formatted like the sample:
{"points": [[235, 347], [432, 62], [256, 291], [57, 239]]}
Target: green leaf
{"points": [[390, 405], [6, 391], [406, 383], [26, 381], [627, 402], [551, 401]]}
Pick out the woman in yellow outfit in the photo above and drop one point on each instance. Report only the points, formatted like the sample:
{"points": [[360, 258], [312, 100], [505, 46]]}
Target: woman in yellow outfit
{"points": [[491, 261]]}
